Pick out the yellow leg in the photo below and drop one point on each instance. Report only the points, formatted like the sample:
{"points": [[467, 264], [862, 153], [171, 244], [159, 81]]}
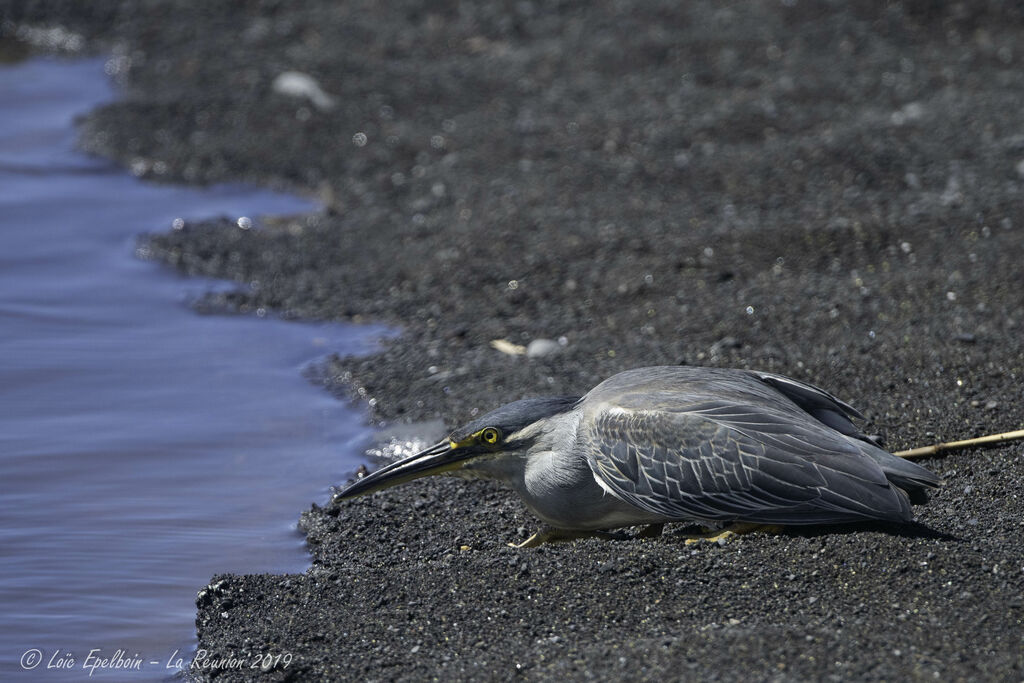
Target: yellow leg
{"points": [[553, 535], [738, 529]]}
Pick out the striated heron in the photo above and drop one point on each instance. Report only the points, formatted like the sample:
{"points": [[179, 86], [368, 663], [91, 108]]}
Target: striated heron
{"points": [[704, 446]]}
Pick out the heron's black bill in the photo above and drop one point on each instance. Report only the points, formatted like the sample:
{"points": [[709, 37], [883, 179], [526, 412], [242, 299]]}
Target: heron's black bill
{"points": [[437, 459]]}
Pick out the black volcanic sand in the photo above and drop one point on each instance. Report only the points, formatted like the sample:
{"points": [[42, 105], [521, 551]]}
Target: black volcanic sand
{"points": [[833, 194]]}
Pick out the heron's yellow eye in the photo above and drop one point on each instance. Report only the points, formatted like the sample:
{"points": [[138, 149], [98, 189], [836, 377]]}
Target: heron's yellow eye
{"points": [[490, 436]]}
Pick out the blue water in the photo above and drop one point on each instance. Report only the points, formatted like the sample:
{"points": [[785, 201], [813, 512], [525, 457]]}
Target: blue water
{"points": [[143, 447]]}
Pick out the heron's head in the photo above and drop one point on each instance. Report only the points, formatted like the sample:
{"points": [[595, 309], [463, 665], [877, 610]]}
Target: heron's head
{"points": [[510, 429]]}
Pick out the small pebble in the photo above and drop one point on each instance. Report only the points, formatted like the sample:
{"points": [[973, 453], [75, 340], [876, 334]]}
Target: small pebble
{"points": [[541, 347], [300, 85]]}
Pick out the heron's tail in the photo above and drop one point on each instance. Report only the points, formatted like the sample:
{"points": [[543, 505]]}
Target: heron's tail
{"points": [[907, 475]]}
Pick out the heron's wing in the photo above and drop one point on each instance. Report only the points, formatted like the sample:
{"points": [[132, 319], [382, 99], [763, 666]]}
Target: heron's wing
{"points": [[837, 414], [817, 402], [723, 461]]}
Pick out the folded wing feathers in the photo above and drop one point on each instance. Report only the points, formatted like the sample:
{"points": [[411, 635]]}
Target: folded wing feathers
{"points": [[719, 461]]}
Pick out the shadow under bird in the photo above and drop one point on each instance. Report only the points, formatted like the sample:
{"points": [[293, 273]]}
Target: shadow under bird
{"points": [[703, 446]]}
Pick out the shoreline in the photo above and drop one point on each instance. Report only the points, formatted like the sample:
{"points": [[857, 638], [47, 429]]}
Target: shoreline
{"points": [[831, 196]]}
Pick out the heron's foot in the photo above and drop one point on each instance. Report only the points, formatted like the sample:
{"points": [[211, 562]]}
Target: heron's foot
{"points": [[553, 535], [722, 536]]}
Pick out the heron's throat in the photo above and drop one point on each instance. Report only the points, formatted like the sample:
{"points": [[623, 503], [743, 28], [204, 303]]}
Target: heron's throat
{"points": [[506, 466]]}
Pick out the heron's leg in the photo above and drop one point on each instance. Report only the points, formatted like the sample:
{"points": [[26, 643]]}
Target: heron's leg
{"points": [[731, 531], [550, 534]]}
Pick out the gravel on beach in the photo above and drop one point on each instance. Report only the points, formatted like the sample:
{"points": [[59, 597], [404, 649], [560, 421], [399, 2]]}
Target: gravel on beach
{"points": [[831, 191]]}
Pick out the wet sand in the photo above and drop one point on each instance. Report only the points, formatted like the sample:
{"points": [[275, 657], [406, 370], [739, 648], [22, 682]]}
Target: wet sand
{"points": [[831, 195]]}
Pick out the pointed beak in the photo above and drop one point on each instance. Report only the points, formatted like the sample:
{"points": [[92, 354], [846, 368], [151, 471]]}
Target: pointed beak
{"points": [[438, 459]]}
